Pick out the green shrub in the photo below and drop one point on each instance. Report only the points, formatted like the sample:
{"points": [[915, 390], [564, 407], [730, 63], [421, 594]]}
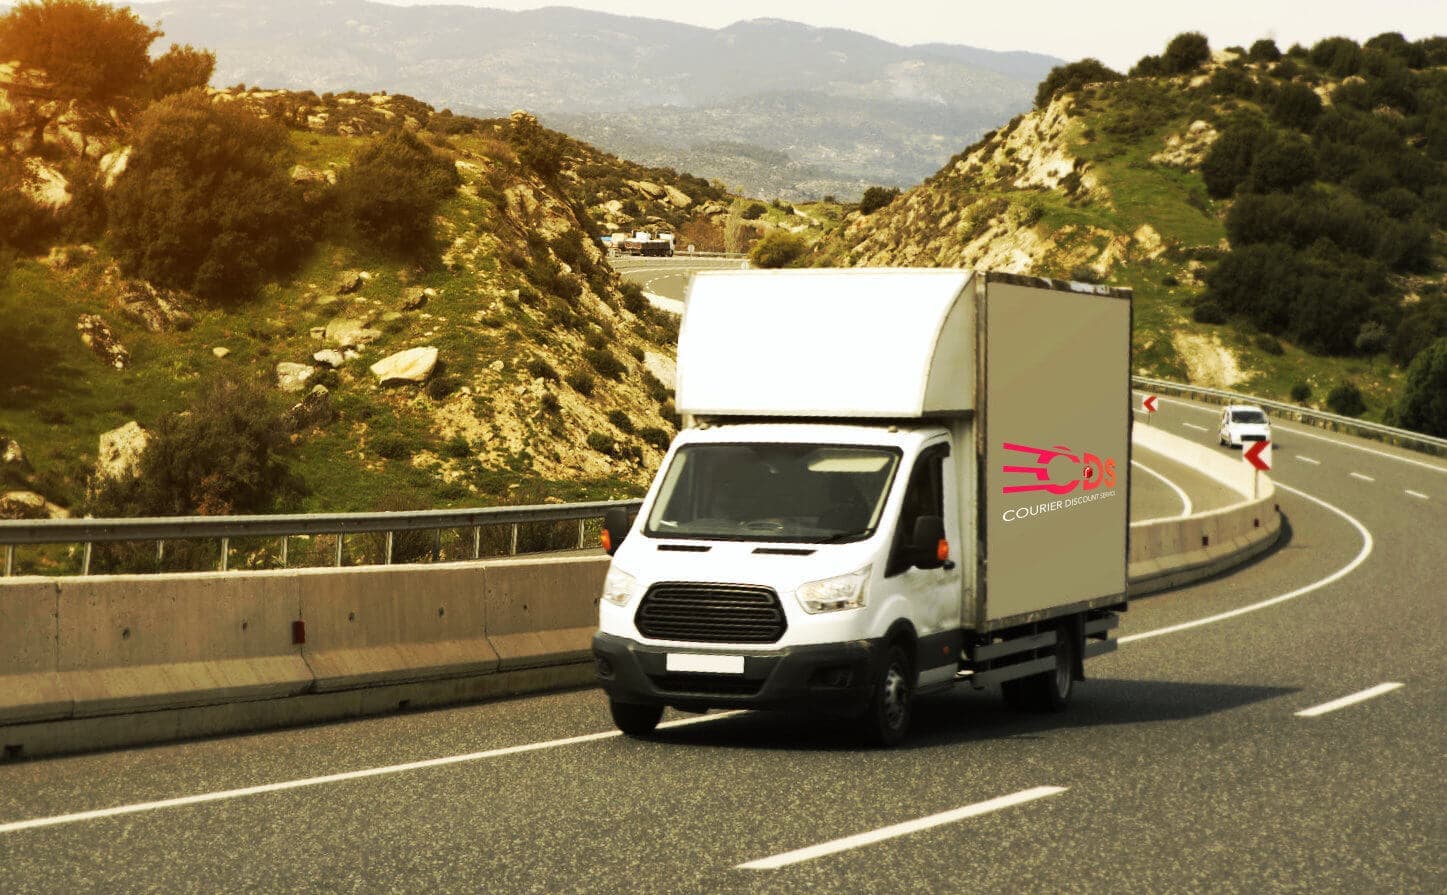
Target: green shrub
{"points": [[441, 386], [1208, 312], [753, 211], [1338, 56], [1346, 400], [621, 419], [876, 197], [205, 204], [1300, 392], [1228, 162], [550, 404], [537, 147], [1297, 106], [656, 389], [605, 362], [1263, 50], [457, 447], [392, 190], [1372, 338], [1268, 344], [1423, 404], [1186, 52], [654, 436], [602, 443], [91, 52], [633, 298], [778, 249], [582, 382], [1281, 164], [541, 369], [1070, 78], [1084, 273], [179, 69], [223, 456], [391, 446]]}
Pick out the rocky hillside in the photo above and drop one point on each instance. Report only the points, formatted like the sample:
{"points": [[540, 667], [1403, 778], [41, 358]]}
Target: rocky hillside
{"points": [[508, 366], [1105, 181]]}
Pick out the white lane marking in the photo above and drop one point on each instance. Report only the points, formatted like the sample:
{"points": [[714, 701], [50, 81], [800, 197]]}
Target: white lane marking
{"points": [[1416, 494], [1353, 699], [1308, 460], [1186, 506], [1196, 427], [16, 826], [1345, 570], [900, 829], [1365, 478], [1298, 430]]}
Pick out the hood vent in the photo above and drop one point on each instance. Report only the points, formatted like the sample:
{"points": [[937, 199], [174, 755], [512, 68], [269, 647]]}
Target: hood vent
{"points": [[784, 551], [685, 548]]}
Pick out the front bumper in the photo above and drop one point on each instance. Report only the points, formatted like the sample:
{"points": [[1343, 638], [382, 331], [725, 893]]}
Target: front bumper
{"points": [[827, 678]]}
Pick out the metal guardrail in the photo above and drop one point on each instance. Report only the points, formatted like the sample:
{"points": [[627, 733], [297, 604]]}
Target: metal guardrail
{"points": [[15, 533], [1331, 421]]}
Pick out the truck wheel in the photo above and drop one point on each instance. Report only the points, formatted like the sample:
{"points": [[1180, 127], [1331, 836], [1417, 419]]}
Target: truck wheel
{"points": [[886, 721], [1049, 691], [634, 719]]}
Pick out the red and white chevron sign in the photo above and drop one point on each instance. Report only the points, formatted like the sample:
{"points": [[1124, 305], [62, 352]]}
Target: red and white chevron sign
{"points": [[1149, 404]]}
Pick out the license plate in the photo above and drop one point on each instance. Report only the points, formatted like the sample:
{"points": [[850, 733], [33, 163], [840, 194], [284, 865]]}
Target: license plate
{"points": [[704, 662]]}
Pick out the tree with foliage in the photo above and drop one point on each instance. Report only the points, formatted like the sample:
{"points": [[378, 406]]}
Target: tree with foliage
{"points": [[90, 51], [179, 69], [1423, 405], [1228, 162], [1263, 50], [1281, 164], [1186, 52], [223, 456], [537, 147], [876, 197], [1070, 78], [1346, 400], [393, 188], [205, 203], [1297, 106], [1339, 57], [778, 248]]}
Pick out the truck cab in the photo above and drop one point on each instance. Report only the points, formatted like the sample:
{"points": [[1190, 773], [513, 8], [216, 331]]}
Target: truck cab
{"points": [[815, 539]]}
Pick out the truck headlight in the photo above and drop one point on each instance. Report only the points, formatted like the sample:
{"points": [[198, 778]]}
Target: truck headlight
{"points": [[618, 587], [832, 594]]}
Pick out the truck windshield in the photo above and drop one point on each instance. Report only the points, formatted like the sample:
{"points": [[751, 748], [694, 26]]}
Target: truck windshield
{"points": [[773, 492], [1254, 417]]}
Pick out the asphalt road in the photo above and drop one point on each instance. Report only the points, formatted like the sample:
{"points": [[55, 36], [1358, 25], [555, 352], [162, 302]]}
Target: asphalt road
{"points": [[1182, 766]]}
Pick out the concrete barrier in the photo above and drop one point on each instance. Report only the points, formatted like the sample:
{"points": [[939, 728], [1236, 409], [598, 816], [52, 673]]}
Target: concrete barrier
{"points": [[30, 687], [1166, 553], [132, 643], [394, 624], [543, 612]]}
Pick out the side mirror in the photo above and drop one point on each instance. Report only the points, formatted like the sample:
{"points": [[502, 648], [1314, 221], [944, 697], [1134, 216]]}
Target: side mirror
{"points": [[615, 529], [929, 548]]}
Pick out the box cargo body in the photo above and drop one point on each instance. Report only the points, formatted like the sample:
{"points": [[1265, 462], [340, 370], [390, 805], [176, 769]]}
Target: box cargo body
{"points": [[838, 423]]}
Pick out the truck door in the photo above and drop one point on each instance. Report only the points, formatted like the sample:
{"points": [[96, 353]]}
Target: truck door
{"points": [[934, 594]]}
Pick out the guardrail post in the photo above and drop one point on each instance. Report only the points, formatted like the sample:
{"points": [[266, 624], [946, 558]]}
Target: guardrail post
{"points": [[339, 550], [437, 545], [225, 553], [160, 552], [85, 560], [9, 559], [389, 549], [513, 547], [284, 539], [477, 542], [581, 533]]}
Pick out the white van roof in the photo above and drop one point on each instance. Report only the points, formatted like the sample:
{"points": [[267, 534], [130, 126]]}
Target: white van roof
{"points": [[871, 342]]}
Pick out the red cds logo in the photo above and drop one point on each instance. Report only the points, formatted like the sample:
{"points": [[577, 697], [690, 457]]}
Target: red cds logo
{"points": [[1086, 471]]}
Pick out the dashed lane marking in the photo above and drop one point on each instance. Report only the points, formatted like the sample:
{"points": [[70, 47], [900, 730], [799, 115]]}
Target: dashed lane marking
{"points": [[1417, 494], [1365, 478], [1352, 699], [901, 829], [1308, 460], [1196, 427]]}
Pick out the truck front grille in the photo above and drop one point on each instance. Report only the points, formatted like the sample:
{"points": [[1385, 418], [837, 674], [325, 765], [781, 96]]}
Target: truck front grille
{"points": [[711, 613]]}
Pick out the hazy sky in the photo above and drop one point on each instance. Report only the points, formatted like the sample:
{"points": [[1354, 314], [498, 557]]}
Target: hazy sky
{"points": [[1116, 31]]}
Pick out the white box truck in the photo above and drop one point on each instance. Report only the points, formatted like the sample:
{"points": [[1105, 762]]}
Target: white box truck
{"points": [[888, 482]]}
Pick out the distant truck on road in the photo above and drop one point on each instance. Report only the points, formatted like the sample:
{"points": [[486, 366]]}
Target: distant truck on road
{"points": [[644, 243], [889, 482]]}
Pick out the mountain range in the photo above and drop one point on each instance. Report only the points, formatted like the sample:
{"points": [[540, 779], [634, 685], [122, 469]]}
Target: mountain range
{"points": [[860, 110]]}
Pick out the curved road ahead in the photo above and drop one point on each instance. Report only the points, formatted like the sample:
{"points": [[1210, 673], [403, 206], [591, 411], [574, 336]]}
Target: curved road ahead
{"points": [[1186, 763]]}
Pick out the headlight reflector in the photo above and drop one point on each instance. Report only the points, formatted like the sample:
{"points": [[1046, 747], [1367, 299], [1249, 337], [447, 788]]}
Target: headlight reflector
{"points": [[832, 594], [618, 587]]}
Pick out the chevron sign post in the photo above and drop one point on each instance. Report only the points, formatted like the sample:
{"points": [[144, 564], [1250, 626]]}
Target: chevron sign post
{"points": [[1258, 456], [1149, 406]]}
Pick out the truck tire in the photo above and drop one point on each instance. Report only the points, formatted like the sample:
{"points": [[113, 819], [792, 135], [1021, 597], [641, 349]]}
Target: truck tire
{"points": [[1051, 690], [634, 719], [886, 720]]}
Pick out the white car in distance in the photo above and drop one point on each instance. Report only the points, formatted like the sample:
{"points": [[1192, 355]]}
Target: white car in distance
{"points": [[1241, 423]]}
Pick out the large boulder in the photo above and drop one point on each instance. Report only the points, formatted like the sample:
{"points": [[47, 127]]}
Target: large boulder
{"points": [[12, 457], [350, 332], [46, 186], [412, 365], [113, 164], [158, 310], [415, 297], [349, 281], [119, 453], [292, 377], [677, 197], [28, 505], [330, 357], [98, 337]]}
